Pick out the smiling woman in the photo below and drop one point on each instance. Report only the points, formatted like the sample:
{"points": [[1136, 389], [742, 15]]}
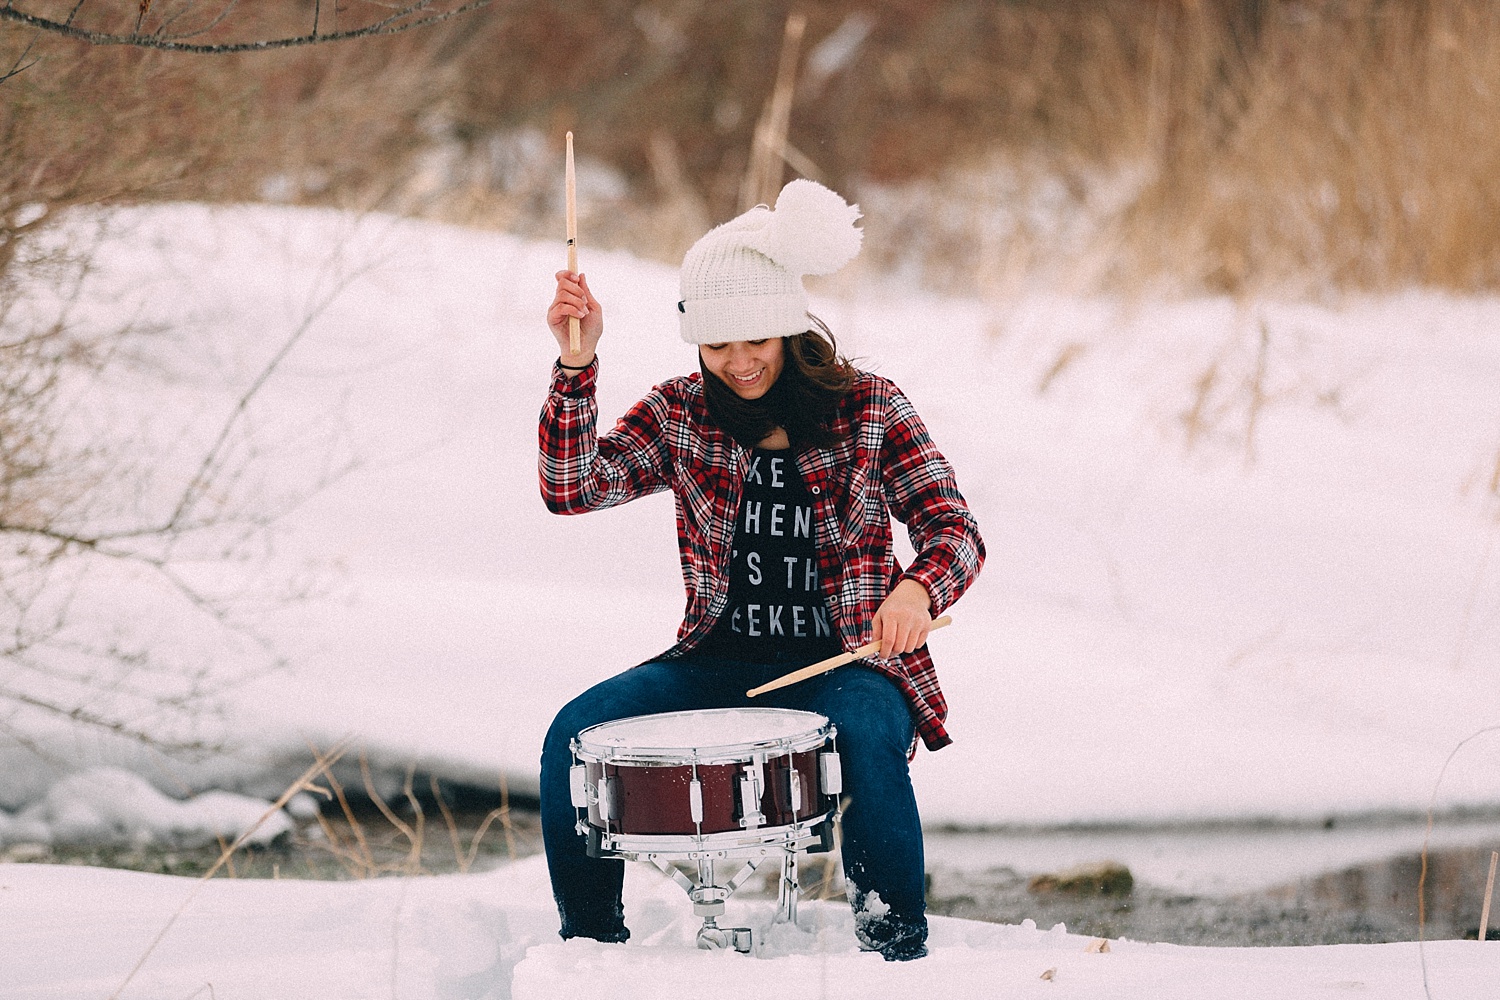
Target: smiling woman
{"points": [[771, 392], [788, 465], [749, 367]]}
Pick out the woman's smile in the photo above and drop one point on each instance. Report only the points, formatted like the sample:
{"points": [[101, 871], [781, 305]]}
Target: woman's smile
{"points": [[749, 367]]}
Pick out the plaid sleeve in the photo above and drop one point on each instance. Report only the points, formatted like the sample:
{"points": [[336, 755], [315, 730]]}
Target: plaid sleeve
{"points": [[922, 493], [580, 471]]}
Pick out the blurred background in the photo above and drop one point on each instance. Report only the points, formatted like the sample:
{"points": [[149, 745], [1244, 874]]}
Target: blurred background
{"points": [[1316, 146]]}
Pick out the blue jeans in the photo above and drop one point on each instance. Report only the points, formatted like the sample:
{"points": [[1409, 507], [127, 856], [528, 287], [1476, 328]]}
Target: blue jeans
{"points": [[882, 834]]}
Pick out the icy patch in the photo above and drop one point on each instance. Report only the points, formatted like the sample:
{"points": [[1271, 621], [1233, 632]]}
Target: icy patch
{"points": [[110, 806]]}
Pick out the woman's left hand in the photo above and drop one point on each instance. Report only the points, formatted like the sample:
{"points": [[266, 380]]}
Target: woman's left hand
{"points": [[903, 620]]}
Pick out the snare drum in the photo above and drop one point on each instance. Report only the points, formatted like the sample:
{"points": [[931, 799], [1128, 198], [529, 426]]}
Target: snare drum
{"points": [[732, 782]]}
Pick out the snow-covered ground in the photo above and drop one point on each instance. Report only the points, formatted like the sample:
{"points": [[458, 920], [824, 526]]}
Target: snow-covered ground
{"points": [[73, 933], [1241, 565]]}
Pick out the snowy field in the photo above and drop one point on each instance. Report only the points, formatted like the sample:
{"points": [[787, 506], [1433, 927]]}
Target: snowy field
{"points": [[494, 936], [1271, 593]]}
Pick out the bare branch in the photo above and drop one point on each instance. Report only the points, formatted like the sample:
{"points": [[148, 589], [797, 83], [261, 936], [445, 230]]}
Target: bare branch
{"points": [[100, 721], [21, 65], [209, 466], [405, 18], [213, 23]]}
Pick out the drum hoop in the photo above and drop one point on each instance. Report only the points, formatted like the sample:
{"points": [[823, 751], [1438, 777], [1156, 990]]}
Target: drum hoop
{"points": [[764, 841], [723, 753]]}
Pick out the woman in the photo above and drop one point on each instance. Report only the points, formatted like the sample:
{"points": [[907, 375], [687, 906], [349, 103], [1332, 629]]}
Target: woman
{"points": [[787, 464]]}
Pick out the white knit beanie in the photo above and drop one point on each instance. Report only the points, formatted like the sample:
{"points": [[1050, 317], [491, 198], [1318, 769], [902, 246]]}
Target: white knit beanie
{"points": [[743, 280]]}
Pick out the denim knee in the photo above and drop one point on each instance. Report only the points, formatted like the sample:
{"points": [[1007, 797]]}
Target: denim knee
{"points": [[870, 713], [583, 711]]}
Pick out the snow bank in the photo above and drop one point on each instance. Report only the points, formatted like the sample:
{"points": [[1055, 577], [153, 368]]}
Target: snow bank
{"points": [[113, 807], [493, 936]]}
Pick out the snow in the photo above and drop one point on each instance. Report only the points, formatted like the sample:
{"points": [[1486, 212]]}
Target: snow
{"points": [[1241, 566], [494, 936], [108, 805], [1289, 619]]}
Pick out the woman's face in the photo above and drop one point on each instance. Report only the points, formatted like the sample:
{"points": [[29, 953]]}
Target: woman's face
{"points": [[749, 367]]}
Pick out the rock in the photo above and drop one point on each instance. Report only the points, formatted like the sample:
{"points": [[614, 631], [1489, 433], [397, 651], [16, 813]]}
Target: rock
{"points": [[1101, 878]]}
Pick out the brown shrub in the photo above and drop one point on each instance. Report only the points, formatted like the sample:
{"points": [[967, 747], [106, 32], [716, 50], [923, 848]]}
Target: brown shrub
{"points": [[1222, 145]]}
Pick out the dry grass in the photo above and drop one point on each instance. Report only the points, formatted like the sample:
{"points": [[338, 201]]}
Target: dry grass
{"points": [[1353, 146], [1307, 148], [85, 126], [354, 845], [1200, 145]]}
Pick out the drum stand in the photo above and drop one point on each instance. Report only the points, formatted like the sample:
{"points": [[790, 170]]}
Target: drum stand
{"points": [[780, 811], [709, 897]]}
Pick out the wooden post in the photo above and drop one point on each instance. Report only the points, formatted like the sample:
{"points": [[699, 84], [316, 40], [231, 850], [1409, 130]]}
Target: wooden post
{"points": [[574, 346]]}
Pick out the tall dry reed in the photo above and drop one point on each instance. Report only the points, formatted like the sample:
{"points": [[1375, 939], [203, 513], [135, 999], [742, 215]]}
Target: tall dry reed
{"points": [[1234, 147], [1220, 145]]}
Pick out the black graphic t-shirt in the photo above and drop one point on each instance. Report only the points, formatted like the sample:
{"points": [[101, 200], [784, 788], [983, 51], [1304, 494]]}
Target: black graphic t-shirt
{"points": [[776, 609]]}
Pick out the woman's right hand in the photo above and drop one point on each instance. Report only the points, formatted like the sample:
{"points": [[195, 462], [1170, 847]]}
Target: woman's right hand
{"points": [[573, 299]]}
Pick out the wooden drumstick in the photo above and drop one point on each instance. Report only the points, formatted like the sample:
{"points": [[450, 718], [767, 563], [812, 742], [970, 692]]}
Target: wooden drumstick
{"points": [[823, 666], [572, 198]]}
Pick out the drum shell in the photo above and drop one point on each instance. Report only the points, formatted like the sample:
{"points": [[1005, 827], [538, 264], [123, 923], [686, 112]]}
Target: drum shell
{"points": [[655, 799]]}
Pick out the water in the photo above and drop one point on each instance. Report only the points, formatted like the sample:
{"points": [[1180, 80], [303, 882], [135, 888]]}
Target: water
{"points": [[1351, 880]]}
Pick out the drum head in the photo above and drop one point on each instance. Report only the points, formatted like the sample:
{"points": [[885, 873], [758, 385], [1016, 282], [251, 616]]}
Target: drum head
{"points": [[706, 735]]}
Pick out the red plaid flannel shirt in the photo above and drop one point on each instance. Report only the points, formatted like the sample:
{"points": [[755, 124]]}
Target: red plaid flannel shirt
{"points": [[885, 464]]}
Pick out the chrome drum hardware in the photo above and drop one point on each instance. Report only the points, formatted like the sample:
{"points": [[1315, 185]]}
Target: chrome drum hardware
{"points": [[704, 790]]}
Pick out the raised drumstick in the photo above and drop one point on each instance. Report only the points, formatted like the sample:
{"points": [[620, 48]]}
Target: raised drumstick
{"points": [[823, 666], [574, 346]]}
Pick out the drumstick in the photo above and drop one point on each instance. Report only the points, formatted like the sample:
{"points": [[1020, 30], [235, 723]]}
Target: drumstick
{"points": [[572, 197], [823, 666]]}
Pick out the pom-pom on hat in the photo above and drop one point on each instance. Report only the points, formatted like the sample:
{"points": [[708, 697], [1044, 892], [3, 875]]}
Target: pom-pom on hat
{"points": [[743, 280]]}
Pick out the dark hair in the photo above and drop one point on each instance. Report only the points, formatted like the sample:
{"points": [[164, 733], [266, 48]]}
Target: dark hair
{"points": [[802, 401]]}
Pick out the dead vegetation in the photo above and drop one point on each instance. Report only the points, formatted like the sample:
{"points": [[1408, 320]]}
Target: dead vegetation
{"points": [[1201, 145], [366, 849]]}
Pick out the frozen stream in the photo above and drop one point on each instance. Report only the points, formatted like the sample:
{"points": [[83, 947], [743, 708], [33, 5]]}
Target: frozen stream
{"points": [[1350, 880], [1210, 859]]}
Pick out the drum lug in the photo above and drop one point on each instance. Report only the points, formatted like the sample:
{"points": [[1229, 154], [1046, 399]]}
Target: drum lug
{"points": [[695, 800], [794, 791], [578, 790], [750, 803], [830, 773], [605, 791], [752, 787]]}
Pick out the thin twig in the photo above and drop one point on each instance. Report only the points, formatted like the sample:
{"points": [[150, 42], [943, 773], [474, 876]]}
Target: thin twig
{"points": [[1489, 895], [1257, 393], [1426, 840], [304, 781], [504, 815], [207, 468], [413, 835], [449, 822]]}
